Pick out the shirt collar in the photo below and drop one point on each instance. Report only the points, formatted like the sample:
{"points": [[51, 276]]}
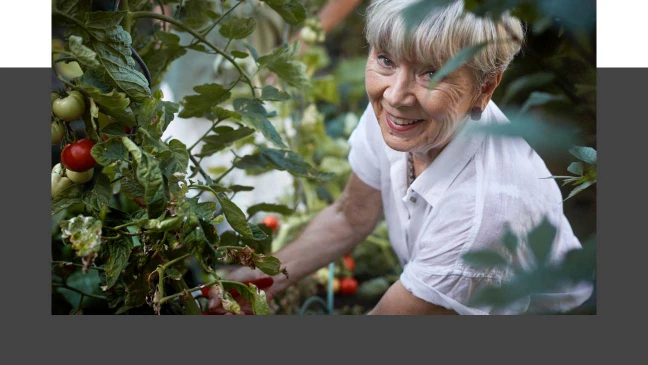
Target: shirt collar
{"points": [[436, 178]]}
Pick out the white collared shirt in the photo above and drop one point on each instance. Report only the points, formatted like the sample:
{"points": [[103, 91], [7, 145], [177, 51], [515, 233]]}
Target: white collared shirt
{"points": [[463, 201]]}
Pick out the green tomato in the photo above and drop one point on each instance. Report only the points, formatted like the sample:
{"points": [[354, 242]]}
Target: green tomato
{"points": [[58, 179], [79, 177], [58, 131], [69, 108], [54, 97]]}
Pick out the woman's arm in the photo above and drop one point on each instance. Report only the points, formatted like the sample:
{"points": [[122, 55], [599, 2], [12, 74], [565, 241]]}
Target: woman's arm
{"points": [[333, 232], [397, 300]]}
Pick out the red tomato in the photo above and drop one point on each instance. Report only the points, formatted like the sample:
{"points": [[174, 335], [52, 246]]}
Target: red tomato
{"points": [[205, 291], [261, 283], [76, 156], [349, 262], [271, 221], [348, 285]]}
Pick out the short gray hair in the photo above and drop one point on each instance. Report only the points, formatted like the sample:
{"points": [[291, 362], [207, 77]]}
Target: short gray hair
{"points": [[442, 34]]}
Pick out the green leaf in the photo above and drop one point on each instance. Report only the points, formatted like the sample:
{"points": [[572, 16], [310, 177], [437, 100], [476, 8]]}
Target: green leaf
{"points": [[290, 10], [239, 54], [150, 174], [493, 9], [580, 188], [576, 168], [271, 93], [214, 188], [586, 154], [540, 240], [112, 44], [109, 151], [415, 13], [284, 160], [118, 252], [84, 233], [463, 56], [215, 143], [197, 14], [160, 59], [253, 112], [200, 106], [484, 258], [528, 82], [237, 28], [88, 283], [99, 197], [112, 102], [510, 241], [223, 114], [268, 264], [538, 98], [282, 61], [250, 293], [66, 197], [74, 8], [235, 217], [176, 160], [266, 207], [83, 55], [237, 188]]}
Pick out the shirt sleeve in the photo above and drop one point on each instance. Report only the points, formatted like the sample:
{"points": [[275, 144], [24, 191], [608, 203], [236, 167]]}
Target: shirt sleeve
{"points": [[365, 142]]}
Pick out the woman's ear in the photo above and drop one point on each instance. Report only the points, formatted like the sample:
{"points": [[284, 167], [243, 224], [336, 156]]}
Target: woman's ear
{"points": [[490, 84]]}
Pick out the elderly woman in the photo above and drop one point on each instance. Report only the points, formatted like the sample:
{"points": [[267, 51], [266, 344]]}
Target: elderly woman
{"points": [[443, 192]]}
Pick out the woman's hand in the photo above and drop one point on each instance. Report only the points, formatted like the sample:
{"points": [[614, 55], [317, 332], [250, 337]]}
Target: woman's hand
{"points": [[246, 276]]}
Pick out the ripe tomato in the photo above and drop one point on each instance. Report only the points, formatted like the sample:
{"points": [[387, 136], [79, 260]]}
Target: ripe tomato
{"points": [[271, 221], [69, 108], [79, 177], [349, 262], [348, 286], [58, 132], [76, 156], [336, 285], [205, 291]]}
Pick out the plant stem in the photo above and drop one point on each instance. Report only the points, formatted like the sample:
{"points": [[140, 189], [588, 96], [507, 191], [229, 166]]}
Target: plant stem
{"points": [[202, 172], [223, 248], [65, 286], [218, 179], [77, 265], [175, 261], [203, 136], [148, 14], [167, 298]]}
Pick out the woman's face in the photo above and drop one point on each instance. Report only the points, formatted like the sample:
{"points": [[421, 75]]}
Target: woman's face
{"points": [[412, 116]]}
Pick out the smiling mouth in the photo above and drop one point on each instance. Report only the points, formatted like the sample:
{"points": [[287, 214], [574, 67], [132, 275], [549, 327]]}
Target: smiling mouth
{"points": [[402, 121]]}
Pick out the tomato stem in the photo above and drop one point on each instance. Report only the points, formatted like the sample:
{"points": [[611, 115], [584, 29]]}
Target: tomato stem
{"points": [[148, 14]]}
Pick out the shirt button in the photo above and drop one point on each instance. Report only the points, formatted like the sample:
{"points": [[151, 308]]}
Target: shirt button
{"points": [[412, 199]]}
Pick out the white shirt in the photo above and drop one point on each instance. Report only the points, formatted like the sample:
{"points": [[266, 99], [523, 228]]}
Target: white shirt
{"points": [[463, 201]]}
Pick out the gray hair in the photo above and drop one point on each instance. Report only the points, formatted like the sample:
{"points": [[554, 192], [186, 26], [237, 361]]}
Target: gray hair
{"points": [[442, 34]]}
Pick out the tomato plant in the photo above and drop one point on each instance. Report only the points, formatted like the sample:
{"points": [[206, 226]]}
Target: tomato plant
{"points": [[77, 156], [69, 108]]}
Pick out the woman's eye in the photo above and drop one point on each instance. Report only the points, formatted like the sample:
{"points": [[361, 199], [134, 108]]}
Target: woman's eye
{"points": [[384, 61], [428, 75]]}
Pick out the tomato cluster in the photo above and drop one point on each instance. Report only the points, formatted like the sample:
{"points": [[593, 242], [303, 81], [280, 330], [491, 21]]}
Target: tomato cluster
{"points": [[343, 282]]}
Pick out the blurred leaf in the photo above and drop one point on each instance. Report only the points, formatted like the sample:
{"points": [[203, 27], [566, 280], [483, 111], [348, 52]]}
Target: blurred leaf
{"points": [[84, 233], [528, 82], [266, 207], [237, 188], [463, 56], [576, 168], [268, 264], [160, 59], [237, 28], [415, 13], [484, 258], [252, 294], [494, 9], [197, 13], [111, 102], [540, 240], [239, 54], [271, 93], [586, 154], [290, 10], [66, 197], [538, 98], [580, 188], [117, 252]]}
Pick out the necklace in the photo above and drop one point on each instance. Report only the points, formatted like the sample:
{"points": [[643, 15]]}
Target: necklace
{"points": [[410, 168]]}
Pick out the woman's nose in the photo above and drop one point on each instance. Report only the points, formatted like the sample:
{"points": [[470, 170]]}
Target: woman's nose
{"points": [[400, 91]]}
